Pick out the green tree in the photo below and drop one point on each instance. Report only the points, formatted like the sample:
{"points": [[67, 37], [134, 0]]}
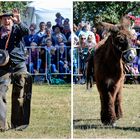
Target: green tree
{"points": [[9, 5], [105, 11]]}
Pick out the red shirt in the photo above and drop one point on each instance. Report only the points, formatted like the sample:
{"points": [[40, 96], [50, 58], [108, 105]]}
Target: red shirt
{"points": [[97, 37]]}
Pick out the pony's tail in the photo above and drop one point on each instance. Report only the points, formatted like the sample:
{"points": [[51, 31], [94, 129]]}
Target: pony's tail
{"points": [[90, 70]]}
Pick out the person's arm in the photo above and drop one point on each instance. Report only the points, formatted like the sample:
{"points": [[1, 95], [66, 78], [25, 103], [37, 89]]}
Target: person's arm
{"points": [[64, 38], [23, 30]]}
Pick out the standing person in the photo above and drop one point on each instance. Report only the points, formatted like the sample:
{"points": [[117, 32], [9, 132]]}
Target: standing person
{"points": [[12, 28], [41, 32], [66, 28], [57, 31], [97, 37], [49, 26], [83, 51], [59, 19], [46, 36], [32, 37], [86, 32]]}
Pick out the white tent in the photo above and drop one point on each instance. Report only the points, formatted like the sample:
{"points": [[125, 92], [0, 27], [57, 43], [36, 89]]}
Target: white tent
{"points": [[45, 10]]}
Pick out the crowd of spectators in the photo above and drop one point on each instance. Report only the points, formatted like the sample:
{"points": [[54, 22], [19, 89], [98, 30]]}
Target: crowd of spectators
{"points": [[48, 49], [86, 38]]}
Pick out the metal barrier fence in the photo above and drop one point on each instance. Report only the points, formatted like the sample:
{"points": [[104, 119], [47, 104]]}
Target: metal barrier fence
{"points": [[77, 65], [44, 61], [40, 61]]}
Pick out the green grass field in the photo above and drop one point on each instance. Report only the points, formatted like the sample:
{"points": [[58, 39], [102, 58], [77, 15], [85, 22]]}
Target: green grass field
{"points": [[87, 122], [50, 113]]}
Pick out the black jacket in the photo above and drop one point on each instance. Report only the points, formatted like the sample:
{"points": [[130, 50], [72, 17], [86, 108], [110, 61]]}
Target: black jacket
{"points": [[15, 47]]}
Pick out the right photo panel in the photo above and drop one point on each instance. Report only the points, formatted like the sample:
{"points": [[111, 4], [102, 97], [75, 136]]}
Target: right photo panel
{"points": [[106, 69]]}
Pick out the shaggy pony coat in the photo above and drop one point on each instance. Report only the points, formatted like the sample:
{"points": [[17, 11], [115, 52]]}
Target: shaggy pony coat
{"points": [[109, 74]]}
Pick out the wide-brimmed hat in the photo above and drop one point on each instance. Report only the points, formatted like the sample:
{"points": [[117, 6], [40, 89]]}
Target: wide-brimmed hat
{"points": [[61, 28], [5, 14]]}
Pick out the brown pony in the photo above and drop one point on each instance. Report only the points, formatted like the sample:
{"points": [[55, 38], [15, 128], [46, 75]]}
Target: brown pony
{"points": [[109, 75]]}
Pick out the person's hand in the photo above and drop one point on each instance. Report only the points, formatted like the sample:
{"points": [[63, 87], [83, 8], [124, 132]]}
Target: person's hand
{"points": [[16, 16], [138, 42]]}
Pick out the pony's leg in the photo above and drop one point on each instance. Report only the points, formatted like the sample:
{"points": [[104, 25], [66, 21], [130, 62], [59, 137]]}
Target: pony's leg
{"points": [[118, 107], [108, 116], [90, 82]]}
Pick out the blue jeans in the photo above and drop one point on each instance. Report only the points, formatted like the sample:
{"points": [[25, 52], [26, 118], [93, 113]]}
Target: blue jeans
{"points": [[53, 68], [32, 66]]}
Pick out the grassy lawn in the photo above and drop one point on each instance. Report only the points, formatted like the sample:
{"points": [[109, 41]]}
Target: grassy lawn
{"points": [[87, 122], [50, 113]]}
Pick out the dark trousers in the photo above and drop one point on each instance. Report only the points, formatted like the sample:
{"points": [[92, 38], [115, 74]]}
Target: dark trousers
{"points": [[21, 98]]}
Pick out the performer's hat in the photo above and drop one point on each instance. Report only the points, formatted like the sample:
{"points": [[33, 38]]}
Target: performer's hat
{"points": [[5, 14]]}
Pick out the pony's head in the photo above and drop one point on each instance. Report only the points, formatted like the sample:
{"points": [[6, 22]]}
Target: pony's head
{"points": [[122, 41]]}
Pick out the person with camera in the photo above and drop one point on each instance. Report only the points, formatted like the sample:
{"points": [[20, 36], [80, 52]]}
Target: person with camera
{"points": [[13, 67]]}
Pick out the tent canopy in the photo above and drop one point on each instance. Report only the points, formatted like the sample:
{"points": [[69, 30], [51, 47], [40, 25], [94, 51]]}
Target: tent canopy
{"points": [[44, 10], [51, 5]]}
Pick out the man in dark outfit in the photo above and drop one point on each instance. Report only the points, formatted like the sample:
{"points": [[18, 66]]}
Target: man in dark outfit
{"points": [[15, 70]]}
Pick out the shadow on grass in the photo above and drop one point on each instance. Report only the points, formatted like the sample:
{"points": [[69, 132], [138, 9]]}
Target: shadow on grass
{"points": [[86, 125]]}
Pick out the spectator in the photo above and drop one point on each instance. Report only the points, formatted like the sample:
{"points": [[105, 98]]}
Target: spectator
{"points": [[45, 37], [134, 72], [75, 37], [97, 37], [83, 51], [85, 31], [58, 32], [33, 60], [79, 28], [82, 41], [134, 38], [59, 41], [90, 44], [53, 60], [69, 41], [49, 44], [138, 39], [49, 26], [59, 19], [46, 55], [138, 62], [32, 37], [41, 31], [63, 59], [66, 28]]}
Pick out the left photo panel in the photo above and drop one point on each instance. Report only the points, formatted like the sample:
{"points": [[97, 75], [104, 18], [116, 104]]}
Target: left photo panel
{"points": [[35, 69]]}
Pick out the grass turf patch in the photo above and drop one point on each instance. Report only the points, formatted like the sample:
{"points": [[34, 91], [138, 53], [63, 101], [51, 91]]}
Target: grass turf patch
{"points": [[50, 113], [87, 122]]}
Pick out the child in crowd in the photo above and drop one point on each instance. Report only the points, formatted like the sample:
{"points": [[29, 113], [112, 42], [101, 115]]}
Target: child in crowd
{"points": [[59, 19]]}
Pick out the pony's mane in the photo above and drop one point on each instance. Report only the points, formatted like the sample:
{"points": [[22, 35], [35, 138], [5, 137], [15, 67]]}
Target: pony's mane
{"points": [[126, 33]]}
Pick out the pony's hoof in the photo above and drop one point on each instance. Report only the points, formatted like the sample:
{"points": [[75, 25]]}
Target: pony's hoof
{"points": [[114, 125]]}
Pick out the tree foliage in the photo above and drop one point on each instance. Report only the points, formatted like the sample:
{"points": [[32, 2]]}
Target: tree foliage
{"points": [[105, 11], [9, 5]]}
